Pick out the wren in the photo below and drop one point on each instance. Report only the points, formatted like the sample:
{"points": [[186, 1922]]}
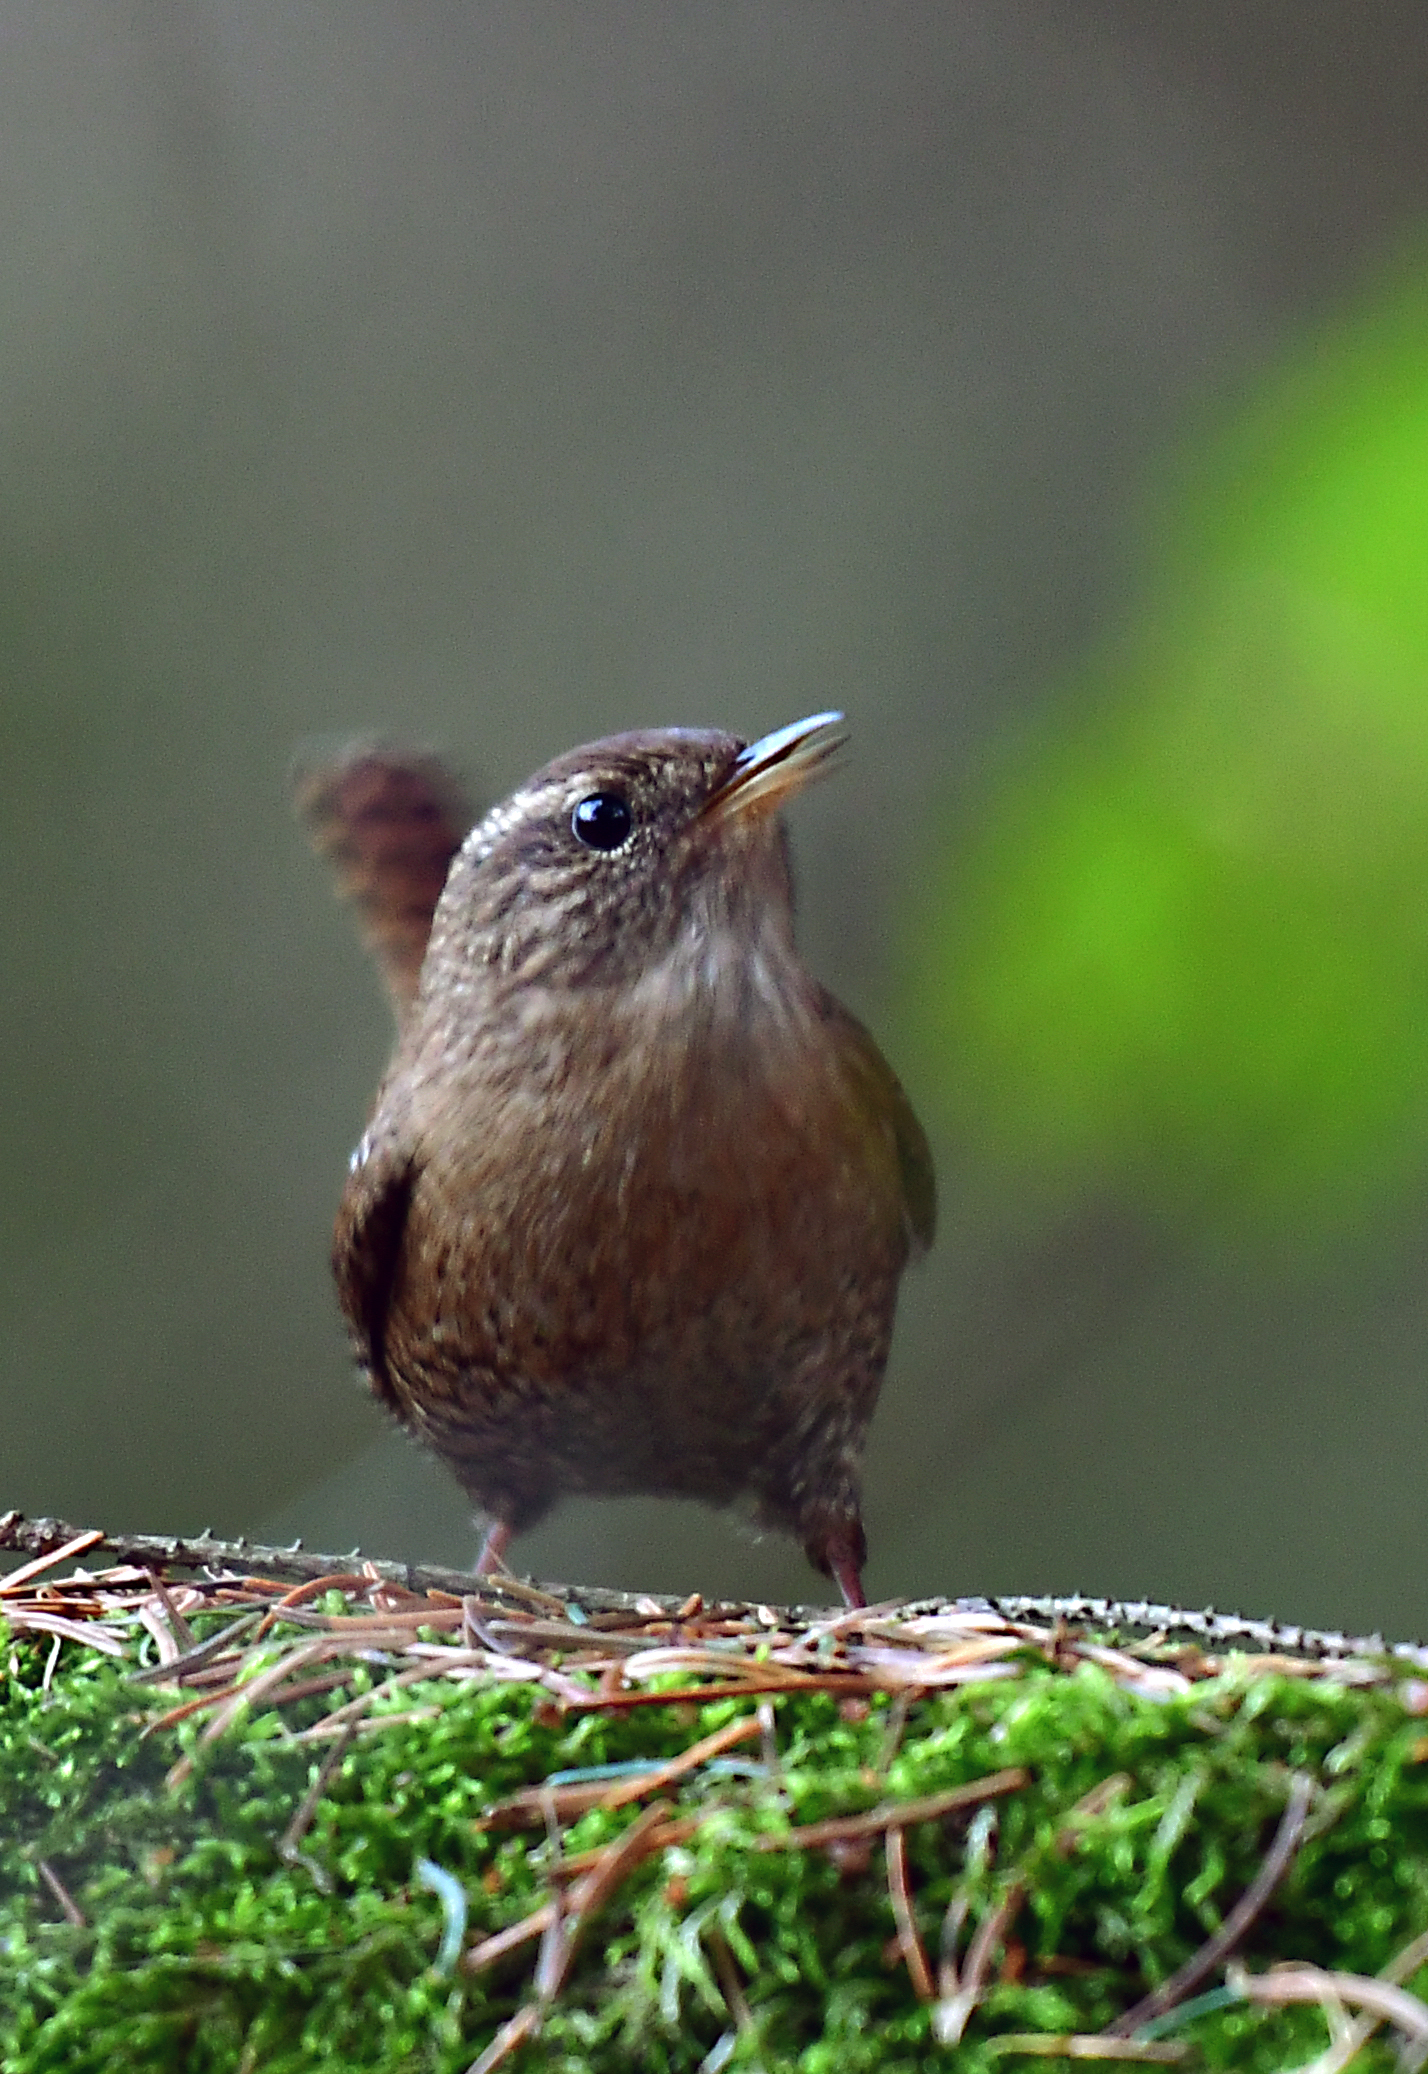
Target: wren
{"points": [[637, 1192]]}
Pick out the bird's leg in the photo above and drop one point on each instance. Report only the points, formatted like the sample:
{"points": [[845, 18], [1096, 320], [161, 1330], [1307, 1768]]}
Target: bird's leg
{"points": [[848, 1578], [840, 1550], [493, 1548], [809, 1487]]}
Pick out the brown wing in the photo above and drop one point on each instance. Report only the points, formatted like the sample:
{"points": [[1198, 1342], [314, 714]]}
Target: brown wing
{"points": [[388, 821], [882, 1091], [366, 1248]]}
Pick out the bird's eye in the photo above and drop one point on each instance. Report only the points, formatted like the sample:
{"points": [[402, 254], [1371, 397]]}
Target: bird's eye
{"points": [[603, 821]]}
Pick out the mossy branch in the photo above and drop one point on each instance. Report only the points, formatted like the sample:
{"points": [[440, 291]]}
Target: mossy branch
{"points": [[363, 1820], [1125, 1618]]}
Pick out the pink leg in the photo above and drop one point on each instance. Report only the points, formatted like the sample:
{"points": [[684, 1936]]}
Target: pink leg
{"points": [[493, 1548], [847, 1578], [840, 1551]]}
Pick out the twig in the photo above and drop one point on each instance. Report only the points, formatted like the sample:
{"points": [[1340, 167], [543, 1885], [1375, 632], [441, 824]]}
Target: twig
{"points": [[182, 1712], [182, 1632], [1355, 2036], [351, 1710], [1217, 1949], [689, 1760], [896, 1726], [237, 1698], [768, 1737], [618, 1859], [579, 1863], [730, 1986], [332, 1580], [194, 1659], [1393, 2005], [325, 1681], [841, 1684], [502, 1942], [523, 2025], [899, 1814], [374, 1629], [72, 1911], [91, 1633], [1084, 2045], [652, 1837], [74, 1541], [948, 1981], [949, 2018], [1207, 1626], [301, 1822], [1100, 1798], [527, 1807], [151, 1619], [1407, 1962], [908, 1940], [53, 1540], [251, 1690]]}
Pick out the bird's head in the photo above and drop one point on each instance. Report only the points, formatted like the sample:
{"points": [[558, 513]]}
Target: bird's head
{"points": [[656, 852]]}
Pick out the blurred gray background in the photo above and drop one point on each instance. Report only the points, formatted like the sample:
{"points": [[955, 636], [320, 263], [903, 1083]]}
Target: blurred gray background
{"points": [[501, 375]]}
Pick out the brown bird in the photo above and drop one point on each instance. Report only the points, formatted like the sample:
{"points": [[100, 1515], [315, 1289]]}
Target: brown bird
{"points": [[637, 1192]]}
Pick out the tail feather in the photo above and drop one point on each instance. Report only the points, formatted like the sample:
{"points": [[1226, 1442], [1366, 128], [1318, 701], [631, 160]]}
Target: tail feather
{"points": [[388, 821]]}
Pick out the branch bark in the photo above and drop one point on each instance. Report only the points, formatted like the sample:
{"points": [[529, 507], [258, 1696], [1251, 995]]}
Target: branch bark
{"points": [[42, 1537]]}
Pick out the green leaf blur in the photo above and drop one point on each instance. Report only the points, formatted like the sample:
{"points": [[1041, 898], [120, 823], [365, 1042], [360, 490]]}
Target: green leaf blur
{"points": [[1184, 947]]}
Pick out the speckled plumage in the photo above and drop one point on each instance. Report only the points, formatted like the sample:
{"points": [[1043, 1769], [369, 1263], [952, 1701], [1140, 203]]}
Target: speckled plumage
{"points": [[637, 1191]]}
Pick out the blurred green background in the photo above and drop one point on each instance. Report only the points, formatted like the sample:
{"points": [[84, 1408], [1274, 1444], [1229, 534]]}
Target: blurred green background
{"points": [[1045, 385]]}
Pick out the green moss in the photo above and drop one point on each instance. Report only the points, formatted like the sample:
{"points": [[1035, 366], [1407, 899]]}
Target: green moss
{"points": [[203, 1948]]}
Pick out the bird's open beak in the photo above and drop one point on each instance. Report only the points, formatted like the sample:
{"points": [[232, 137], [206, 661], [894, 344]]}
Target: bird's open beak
{"points": [[772, 769]]}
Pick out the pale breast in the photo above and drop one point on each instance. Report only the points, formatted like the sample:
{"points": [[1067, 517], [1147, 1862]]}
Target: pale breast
{"points": [[647, 1201]]}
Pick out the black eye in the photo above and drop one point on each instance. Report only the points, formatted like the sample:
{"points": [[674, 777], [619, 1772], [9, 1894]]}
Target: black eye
{"points": [[603, 821]]}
